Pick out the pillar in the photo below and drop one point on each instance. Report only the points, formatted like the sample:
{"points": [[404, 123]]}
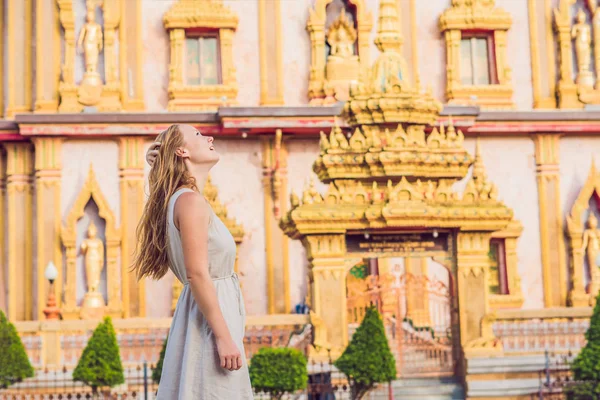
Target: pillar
{"points": [[3, 232], [131, 175], [271, 52], [131, 56], [473, 269], [48, 47], [551, 220], [326, 256], [543, 58], [19, 190], [19, 64], [48, 167], [277, 243]]}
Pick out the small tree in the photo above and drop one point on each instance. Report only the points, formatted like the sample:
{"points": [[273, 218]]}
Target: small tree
{"points": [[586, 366], [100, 363], [368, 359], [14, 363], [278, 371], [157, 371]]}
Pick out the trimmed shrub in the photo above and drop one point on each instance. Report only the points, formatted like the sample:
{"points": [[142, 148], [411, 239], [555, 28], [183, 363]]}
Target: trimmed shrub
{"points": [[278, 371], [586, 366], [100, 363], [157, 371], [368, 359], [14, 363]]}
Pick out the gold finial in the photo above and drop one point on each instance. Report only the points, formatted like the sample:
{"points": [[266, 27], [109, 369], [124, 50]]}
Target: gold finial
{"points": [[389, 36], [478, 167]]}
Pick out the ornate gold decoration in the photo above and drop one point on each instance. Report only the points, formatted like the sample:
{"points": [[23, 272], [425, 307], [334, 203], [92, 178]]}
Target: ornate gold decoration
{"points": [[91, 191], [583, 239], [327, 73], [19, 66], [585, 33], [94, 90], [201, 14], [477, 15], [394, 171], [237, 231]]}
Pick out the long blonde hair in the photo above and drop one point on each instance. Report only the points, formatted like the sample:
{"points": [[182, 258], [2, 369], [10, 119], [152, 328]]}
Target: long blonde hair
{"points": [[167, 175]]}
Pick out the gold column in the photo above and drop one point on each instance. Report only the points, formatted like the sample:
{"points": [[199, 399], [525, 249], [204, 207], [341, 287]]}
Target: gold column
{"points": [[19, 23], [271, 53], [408, 29], [551, 219], [3, 229], [48, 47], [131, 174], [277, 246], [48, 167], [19, 168], [473, 266], [541, 38], [327, 276], [131, 56], [567, 89], [2, 5]]}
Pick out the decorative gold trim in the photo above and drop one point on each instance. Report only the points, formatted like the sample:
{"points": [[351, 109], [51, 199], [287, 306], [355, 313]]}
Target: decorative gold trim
{"points": [[547, 150], [48, 168], [578, 295], [91, 191], [477, 15], [316, 28], [131, 182], [210, 14]]}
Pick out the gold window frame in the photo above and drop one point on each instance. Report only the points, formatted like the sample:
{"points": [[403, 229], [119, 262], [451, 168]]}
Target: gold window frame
{"points": [[212, 16], [514, 298], [466, 16]]}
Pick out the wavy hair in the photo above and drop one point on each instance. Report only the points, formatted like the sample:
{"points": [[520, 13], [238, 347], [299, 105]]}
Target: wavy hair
{"points": [[167, 175]]}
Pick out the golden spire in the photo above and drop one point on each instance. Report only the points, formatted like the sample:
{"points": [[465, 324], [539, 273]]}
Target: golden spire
{"points": [[478, 167], [389, 37]]}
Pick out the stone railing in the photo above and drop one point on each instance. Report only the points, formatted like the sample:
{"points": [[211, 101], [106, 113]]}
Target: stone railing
{"points": [[538, 331], [58, 344]]}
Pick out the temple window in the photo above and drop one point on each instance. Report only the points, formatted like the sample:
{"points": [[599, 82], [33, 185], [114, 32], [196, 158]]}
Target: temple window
{"points": [[498, 279], [477, 71], [475, 60], [504, 282], [202, 75], [203, 66]]}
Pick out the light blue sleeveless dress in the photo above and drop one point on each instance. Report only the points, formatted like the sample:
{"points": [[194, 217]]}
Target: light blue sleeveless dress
{"points": [[191, 368]]}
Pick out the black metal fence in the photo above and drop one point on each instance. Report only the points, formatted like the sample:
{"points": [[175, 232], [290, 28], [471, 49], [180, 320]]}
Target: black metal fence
{"points": [[324, 383], [557, 383]]}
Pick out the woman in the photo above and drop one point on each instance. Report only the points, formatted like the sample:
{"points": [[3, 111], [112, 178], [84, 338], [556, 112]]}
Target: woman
{"points": [[204, 359]]}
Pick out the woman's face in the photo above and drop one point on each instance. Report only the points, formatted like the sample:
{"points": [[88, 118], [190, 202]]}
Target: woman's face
{"points": [[199, 149]]}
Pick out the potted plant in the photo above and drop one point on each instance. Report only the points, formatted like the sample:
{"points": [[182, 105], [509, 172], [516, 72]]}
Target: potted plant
{"points": [[14, 363], [368, 359], [100, 364], [278, 371]]}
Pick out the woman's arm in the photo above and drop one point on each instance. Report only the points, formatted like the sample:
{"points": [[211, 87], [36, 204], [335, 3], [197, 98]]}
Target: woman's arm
{"points": [[192, 217]]}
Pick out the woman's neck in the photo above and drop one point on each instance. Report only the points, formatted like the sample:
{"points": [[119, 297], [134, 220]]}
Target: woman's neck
{"points": [[200, 174]]}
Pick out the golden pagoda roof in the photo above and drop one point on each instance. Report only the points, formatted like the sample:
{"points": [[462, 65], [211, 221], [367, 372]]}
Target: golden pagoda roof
{"points": [[211, 194]]}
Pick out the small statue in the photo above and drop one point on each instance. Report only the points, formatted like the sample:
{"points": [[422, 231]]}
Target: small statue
{"points": [[341, 37], [582, 35], [90, 41], [591, 244], [93, 248]]}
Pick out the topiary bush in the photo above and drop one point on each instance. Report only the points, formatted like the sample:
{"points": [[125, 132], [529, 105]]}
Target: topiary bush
{"points": [[278, 371], [157, 371], [100, 363], [586, 366], [368, 359], [14, 363]]}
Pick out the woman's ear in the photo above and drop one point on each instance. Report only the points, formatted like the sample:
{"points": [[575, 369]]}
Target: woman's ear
{"points": [[182, 152]]}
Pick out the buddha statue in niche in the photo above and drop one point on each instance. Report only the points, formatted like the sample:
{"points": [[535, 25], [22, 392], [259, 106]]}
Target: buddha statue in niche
{"points": [[342, 63], [93, 250], [591, 247], [582, 34]]}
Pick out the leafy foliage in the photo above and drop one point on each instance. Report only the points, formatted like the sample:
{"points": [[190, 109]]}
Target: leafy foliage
{"points": [[278, 371], [368, 359], [157, 371], [100, 363], [14, 363]]}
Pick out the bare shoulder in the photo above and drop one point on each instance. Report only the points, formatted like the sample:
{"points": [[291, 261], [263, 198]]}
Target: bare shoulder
{"points": [[191, 207]]}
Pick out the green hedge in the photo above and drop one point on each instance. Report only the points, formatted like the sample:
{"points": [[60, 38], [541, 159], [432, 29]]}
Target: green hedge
{"points": [[278, 371], [157, 371], [14, 363], [368, 359], [100, 363]]}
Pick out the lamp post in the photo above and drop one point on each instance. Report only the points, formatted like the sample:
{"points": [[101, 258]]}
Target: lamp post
{"points": [[51, 311]]}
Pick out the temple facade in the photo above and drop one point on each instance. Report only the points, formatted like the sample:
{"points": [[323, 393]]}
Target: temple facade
{"points": [[437, 153]]}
